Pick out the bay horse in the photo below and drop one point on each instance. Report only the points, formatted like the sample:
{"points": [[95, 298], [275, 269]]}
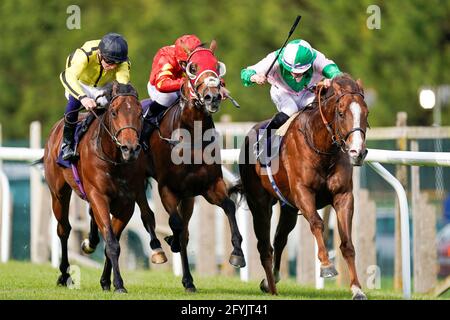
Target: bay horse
{"points": [[180, 181], [112, 172], [314, 170]]}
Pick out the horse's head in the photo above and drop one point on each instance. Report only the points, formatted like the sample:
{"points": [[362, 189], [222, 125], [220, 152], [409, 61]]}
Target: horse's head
{"points": [[124, 119], [350, 117], [204, 73]]}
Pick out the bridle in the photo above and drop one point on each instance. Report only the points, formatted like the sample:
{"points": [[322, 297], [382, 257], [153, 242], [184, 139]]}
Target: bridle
{"points": [[194, 85], [338, 140], [112, 134]]}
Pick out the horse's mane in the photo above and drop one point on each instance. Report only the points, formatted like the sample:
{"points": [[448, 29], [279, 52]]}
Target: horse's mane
{"points": [[346, 82], [115, 88]]}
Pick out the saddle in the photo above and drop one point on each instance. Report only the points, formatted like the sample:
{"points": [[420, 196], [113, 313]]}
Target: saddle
{"points": [[80, 129], [266, 152]]}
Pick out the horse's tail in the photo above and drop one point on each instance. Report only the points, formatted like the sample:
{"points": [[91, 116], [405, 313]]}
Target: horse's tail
{"points": [[38, 161]]}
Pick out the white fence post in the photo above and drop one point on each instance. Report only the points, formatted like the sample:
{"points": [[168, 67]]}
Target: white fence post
{"points": [[38, 250]]}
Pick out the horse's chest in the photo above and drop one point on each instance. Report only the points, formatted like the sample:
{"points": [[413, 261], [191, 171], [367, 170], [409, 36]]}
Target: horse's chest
{"points": [[120, 187]]}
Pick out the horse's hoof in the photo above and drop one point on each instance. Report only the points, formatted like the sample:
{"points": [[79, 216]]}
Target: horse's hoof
{"points": [[106, 288], [358, 294], [237, 261], [263, 286], [328, 272], [190, 289], [63, 280], [121, 290], [85, 246], [158, 256]]}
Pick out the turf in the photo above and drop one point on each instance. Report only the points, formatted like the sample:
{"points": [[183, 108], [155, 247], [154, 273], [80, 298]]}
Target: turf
{"points": [[25, 281]]}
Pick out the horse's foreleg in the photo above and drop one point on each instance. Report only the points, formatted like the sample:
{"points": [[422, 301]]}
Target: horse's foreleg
{"points": [[100, 208], [343, 205], [148, 219], [90, 244], [60, 205], [118, 225], [305, 200], [218, 195], [287, 222], [186, 208]]}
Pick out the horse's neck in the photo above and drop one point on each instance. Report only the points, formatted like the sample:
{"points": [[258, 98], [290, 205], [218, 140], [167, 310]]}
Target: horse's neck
{"points": [[190, 118], [104, 144], [315, 130]]}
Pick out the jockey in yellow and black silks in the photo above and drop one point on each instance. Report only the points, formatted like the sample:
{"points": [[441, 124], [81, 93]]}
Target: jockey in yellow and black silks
{"points": [[88, 70]]}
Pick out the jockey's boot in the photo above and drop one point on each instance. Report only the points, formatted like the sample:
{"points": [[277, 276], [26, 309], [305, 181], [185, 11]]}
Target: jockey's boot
{"points": [[150, 123], [67, 142], [275, 123]]}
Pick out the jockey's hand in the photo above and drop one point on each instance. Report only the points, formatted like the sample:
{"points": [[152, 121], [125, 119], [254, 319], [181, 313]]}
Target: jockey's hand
{"points": [[326, 83], [224, 92], [88, 103], [258, 78]]}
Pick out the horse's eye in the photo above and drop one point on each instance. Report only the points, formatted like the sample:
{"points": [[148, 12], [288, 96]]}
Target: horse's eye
{"points": [[341, 114], [113, 113]]}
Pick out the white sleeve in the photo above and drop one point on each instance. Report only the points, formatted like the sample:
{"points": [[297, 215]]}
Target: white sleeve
{"points": [[263, 65], [321, 62]]}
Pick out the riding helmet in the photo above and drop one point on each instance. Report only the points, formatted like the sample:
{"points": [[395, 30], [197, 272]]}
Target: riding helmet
{"points": [[114, 48], [187, 42], [297, 56]]}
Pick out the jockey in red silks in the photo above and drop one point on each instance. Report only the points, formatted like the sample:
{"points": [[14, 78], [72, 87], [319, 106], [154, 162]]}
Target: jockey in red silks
{"points": [[166, 78]]}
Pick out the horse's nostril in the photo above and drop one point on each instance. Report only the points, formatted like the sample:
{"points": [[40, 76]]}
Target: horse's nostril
{"points": [[208, 97], [138, 148], [353, 153], [124, 149]]}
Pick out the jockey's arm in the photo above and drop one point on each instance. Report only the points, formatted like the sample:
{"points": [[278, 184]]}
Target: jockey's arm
{"points": [[167, 83], [69, 77], [258, 69], [326, 66]]}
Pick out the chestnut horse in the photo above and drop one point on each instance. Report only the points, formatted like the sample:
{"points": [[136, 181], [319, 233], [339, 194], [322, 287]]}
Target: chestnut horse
{"points": [[315, 169], [112, 172], [175, 165]]}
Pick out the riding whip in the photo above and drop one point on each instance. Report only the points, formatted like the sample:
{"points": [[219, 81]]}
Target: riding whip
{"points": [[297, 20]]}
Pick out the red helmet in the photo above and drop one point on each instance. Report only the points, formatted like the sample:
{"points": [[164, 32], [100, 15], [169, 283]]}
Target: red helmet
{"points": [[189, 42]]}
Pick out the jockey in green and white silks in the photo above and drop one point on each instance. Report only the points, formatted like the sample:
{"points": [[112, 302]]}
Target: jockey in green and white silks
{"points": [[298, 68]]}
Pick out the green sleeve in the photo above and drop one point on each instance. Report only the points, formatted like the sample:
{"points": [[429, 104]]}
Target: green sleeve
{"points": [[330, 71], [246, 74]]}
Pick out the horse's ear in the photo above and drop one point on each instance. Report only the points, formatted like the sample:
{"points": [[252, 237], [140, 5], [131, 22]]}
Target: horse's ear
{"points": [[115, 88], [336, 87], [360, 85], [213, 45]]}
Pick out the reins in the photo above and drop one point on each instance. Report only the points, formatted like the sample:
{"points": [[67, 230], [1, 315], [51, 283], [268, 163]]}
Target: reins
{"points": [[338, 141]]}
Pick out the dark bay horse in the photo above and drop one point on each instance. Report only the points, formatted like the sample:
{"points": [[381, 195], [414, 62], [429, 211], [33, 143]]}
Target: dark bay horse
{"points": [[315, 169], [112, 171], [179, 166]]}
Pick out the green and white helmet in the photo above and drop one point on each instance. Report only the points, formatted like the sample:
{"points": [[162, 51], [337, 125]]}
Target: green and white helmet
{"points": [[297, 56]]}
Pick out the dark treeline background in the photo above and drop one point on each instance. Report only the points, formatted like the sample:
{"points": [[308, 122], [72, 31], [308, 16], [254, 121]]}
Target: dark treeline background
{"points": [[410, 50]]}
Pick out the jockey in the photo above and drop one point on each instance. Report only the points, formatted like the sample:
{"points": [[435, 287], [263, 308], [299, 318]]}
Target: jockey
{"points": [[298, 68], [166, 78], [88, 70]]}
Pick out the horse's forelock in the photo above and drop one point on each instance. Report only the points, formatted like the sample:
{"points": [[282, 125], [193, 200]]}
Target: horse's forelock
{"points": [[345, 82]]}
